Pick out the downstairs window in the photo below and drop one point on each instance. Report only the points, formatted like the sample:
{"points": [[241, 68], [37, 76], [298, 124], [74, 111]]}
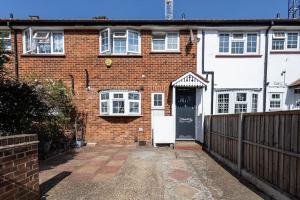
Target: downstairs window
{"points": [[120, 103]]}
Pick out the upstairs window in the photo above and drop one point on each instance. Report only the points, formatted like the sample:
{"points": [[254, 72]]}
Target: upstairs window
{"points": [[43, 42], [238, 43], [120, 103], [165, 41], [5, 40], [121, 42], [285, 41]]}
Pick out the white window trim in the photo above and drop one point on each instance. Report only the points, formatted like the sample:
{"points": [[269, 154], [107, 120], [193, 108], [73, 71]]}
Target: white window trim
{"points": [[126, 103], [245, 40], [109, 46], [166, 42], [271, 99], [217, 103], [162, 107], [111, 37], [285, 38], [233, 100], [51, 42], [7, 38]]}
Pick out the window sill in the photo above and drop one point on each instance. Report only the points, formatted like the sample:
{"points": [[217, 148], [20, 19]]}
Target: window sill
{"points": [[165, 52], [44, 55], [120, 115], [119, 56], [237, 56], [284, 52]]}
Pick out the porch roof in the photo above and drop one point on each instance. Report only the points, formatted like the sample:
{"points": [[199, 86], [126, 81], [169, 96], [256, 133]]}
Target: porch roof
{"points": [[295, 84], [190, 79]]}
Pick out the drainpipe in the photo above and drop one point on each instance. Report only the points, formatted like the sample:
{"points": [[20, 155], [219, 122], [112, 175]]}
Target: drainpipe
{"points": [[15, 50], [212, 73], [266, 67]]}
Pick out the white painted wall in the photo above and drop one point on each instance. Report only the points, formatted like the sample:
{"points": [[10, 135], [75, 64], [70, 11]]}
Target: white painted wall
{"points": [[241, 72]]}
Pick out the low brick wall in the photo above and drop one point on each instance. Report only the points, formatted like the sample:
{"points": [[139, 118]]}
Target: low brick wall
{"points": [[19, 169]]}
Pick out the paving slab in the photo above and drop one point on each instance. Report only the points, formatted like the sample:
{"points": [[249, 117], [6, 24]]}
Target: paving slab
{"points": [[124, 172]]}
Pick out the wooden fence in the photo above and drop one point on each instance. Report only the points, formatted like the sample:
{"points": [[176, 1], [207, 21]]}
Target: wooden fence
{"points": [[262, 147]]}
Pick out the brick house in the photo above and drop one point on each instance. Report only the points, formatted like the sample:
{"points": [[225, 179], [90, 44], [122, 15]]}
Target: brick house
{"points": [[155, 80], [120, 72]]}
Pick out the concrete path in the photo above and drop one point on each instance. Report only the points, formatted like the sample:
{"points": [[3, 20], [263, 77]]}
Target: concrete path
{"points": [[123, 172]]}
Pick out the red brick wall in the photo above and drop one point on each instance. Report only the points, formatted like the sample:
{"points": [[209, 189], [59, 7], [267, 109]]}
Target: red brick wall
{"points": [[19, 170], [126, 72]]}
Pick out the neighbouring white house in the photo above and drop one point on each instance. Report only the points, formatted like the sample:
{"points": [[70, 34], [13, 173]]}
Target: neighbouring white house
{"points": [[249, 68]]}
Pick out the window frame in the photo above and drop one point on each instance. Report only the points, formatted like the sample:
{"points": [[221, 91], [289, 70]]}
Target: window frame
{"points": [[244, 40], [162, 100], [111, 41], [125, 98], [241, 103], [166, 49], [285, 40], [32, 33], [271, 99], [219, 103], [6, 38]]}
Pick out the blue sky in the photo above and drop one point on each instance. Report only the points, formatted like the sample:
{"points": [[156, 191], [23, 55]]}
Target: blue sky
{"points": [[143, 9]]}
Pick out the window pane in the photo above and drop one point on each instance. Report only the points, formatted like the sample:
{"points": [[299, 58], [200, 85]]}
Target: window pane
{"points": [[274, 104], [133, 41], [278, 44], [133, 96], [172, 41], [251, 43], [224, 43], [104, 41], [240, 108], [43, 46], [118, 107], [5, 40], [104, 107], [292, 42], [134, 107], [237, 47], [120, 45], [158, 42], [4, 34], [118, 95], [27, 40], [104, 96], [241, 96], [254, 102], [157, 100], [58, 43], [223, 103]]}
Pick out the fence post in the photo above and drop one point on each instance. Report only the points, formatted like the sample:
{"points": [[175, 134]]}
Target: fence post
{"points": [[208, 123], [240, 143]]}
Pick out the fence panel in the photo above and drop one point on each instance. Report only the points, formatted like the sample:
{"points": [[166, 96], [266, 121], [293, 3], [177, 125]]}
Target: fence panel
{"points": [[270, 146]]}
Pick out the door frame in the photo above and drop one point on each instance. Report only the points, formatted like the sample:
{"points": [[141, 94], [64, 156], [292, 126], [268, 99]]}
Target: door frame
{"points": [[174, 109]]}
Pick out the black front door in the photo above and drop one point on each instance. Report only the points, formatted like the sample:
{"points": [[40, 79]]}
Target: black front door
{"points": [[185, 113]]}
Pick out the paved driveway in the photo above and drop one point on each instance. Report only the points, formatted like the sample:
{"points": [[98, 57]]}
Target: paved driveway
{"points": [[124, 172]]}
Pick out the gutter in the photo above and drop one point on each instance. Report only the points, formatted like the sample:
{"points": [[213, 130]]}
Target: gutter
{"points": [[212, 73], [266, 67], [15, 50]]}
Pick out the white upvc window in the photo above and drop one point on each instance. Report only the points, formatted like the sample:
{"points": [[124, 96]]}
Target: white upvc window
{"points": [[241, 103], [43, 42], [120, 103], [5, 39], [238, 43], [223, 103], [254, 102], [120, 42], [157, 100], [162, 41], [275, 101], [285, 41]]}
